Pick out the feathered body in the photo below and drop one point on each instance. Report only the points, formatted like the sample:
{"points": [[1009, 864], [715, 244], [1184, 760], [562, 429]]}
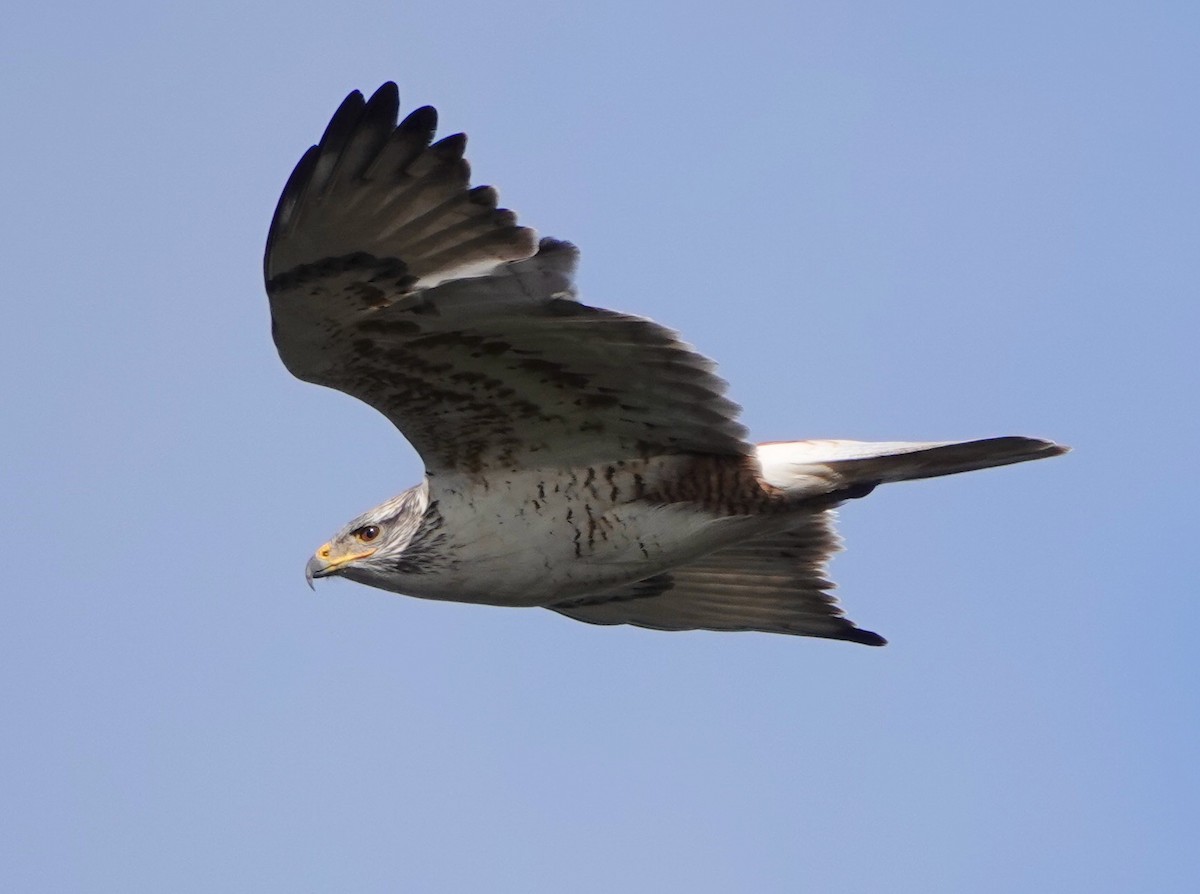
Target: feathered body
{"points": [[577, 458]]}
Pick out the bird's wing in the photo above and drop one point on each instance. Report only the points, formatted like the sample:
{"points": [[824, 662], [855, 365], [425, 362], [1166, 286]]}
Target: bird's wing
{"points": [[774, 584], [392, 280]]}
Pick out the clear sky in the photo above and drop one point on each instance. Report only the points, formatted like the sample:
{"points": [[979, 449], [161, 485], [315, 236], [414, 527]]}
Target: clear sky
{"points": [[885, 220]]}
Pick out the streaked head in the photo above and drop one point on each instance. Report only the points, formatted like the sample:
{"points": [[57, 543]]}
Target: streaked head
{"points": [[369, 546]]}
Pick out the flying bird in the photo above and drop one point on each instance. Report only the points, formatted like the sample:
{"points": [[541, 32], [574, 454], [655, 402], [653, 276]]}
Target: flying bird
{"points": [[576, 458]]}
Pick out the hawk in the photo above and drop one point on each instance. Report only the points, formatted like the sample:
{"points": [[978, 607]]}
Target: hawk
{"points": [[576, 458]]}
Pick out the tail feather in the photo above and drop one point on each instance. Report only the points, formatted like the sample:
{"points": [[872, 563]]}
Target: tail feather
{"points": [[822, 467]]}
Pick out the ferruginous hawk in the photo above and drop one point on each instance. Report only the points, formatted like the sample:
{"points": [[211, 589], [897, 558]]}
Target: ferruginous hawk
{"points": [[577, 458]]}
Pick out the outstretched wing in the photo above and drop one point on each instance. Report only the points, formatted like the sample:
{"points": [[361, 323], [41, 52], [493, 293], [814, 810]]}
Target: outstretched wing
{"points": [[774, 584], [393, 281]]}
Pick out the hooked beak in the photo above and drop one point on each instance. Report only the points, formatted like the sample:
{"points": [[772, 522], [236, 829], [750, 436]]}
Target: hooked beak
{"points": [[324, 564]]}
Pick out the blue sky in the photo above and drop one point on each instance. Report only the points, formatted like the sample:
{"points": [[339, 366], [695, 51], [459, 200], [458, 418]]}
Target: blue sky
{"points": [[885, 221]]}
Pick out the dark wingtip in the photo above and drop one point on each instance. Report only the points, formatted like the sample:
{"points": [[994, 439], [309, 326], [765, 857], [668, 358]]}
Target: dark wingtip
{"points": [[450, 148], [865, 637], [1035, 448], [421, 120], [343, 120], [383, 108], [387, 93]]}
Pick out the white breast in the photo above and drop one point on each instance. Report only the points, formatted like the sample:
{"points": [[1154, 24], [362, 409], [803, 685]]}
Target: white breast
{"points": [[533, 538]]}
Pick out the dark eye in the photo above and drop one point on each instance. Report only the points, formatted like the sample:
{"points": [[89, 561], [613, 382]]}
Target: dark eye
{"points": [[367, 533]]}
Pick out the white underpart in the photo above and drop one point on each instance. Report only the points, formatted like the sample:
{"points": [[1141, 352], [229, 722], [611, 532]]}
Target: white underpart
{"points": [[537, 537]]}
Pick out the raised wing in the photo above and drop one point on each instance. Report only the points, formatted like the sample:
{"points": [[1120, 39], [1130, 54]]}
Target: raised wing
{"points": [[393, 281], [773, 584]]}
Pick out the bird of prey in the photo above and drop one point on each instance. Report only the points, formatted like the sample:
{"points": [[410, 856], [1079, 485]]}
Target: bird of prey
{"points": [[576, 458]]}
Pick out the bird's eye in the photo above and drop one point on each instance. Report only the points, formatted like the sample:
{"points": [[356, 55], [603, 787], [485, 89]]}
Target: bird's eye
{"points": [[367, 533]]}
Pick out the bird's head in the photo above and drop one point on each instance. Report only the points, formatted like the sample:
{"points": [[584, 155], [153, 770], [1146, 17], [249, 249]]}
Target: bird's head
{"points": [[369, 547]]}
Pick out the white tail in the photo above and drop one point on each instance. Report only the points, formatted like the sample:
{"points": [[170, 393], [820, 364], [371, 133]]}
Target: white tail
{"points": [[821, 467]]}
